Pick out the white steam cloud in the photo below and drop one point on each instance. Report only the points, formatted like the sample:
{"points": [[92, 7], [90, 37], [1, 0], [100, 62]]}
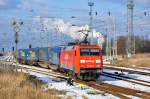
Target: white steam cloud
{"points": [[58, 25]]}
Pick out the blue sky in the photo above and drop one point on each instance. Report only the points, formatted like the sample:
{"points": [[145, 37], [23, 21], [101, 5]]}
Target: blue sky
{"points": [[64, 9]]}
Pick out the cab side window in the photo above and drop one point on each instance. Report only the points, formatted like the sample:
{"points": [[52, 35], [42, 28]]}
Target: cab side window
{"points": [[75, 52]]}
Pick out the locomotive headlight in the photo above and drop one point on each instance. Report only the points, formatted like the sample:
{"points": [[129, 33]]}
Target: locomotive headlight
{"points": [[98, 61], [82, 61]]}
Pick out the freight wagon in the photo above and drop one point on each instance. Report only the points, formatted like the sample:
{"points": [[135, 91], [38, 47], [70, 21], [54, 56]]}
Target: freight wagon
{"points": [[43, 57], [33, 56], [54, 57], [22, 56], [49, 57]]}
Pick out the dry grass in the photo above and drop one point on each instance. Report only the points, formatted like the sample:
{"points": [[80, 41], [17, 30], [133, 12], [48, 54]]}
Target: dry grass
{"points": [[21, 86], [137, 60], [84, 97]]}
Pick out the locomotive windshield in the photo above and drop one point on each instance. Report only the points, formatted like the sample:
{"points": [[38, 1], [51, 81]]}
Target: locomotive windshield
{"points": [[89, 52]]}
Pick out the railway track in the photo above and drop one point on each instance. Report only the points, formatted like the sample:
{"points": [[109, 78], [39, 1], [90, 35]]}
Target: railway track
{"points": [[118, 91], [124, 91], [127, 79], [43, 71], [129, 67], [140, 68], [58, 75], [99, 86], [130, 71], [121, 92]]}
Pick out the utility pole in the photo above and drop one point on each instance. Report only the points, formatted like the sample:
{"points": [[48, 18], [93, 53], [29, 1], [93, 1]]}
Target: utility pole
{"points": [[55, 38], [146, 35], [109, 38], [107, 43], [114, 40], [46, 31], [41, 31], [131, 38], [5, 41], [91, 4]]}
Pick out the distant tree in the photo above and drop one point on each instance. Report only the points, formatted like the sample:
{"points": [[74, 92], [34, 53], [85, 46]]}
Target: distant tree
{"points": [[138, 44], [121, 45], [104, 46], [146, 47], [141, 45]]}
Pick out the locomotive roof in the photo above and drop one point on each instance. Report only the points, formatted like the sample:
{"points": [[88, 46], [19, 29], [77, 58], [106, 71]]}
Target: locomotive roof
{"points": [[82, 46]]}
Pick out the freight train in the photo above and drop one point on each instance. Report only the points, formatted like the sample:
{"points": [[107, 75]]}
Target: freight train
{"points": [[81, 61]]}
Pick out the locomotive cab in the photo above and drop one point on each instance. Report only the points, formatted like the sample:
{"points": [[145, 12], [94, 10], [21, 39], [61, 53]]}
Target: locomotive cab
{"points": [[90, 62], [85, 61]]}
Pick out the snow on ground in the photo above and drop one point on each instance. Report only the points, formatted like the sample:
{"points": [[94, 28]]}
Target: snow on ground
{"points": [[137, 69], [126, 84], [136, 76], [132, 97], [75, 91], [8, 57], [141, 77], [113, 71]]}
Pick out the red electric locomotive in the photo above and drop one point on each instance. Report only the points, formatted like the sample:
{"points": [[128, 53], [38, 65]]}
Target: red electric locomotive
{"points": [[84, 61]]}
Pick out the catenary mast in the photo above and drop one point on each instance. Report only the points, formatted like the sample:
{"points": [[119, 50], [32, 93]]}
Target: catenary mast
{"points": [[131, 39]]}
